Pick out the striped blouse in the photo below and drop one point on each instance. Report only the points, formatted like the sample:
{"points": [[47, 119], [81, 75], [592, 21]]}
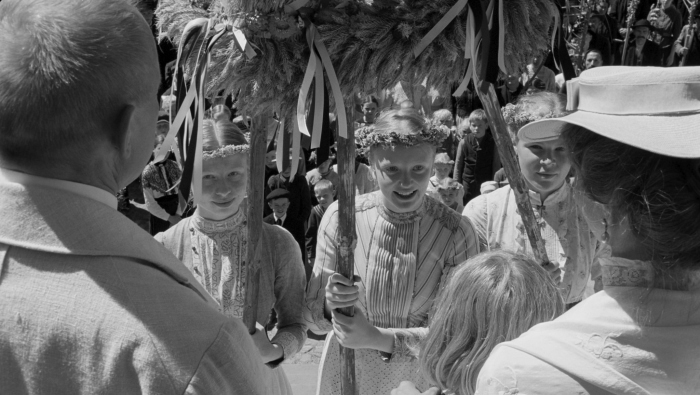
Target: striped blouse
{"points": [[403, 260]]}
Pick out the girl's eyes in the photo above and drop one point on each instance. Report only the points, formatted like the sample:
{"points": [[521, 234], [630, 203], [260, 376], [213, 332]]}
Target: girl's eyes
{"points": [[418, 168]]}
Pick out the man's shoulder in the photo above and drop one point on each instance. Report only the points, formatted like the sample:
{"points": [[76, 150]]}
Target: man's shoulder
{"points": [[161, 327]]}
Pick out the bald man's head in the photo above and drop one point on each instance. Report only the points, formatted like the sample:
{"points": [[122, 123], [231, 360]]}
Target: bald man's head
{"points": [[68, 70]]}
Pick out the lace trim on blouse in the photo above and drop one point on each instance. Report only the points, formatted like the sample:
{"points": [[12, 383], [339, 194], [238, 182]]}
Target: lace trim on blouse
{"points": [[209, 226], [620, 272]]}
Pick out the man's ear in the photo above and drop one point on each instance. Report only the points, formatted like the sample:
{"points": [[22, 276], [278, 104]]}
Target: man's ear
{"points": [[123, 136]]}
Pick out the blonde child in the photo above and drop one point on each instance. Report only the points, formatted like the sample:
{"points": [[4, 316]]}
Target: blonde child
{"points": [[450, 192], [407, 245], [493, 297], [443, 118], [325, 192], [442, 165]]}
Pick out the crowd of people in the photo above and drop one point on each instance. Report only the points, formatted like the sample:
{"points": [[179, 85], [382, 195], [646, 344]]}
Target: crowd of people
{"points": [[447, 296]]}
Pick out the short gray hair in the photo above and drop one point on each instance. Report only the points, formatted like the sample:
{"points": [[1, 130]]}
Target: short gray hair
{"points": [[64, 67]]}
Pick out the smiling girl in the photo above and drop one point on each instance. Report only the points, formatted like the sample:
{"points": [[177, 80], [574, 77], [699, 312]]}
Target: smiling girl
{"points": [[213, 244], [407, 245], [545, 165]]}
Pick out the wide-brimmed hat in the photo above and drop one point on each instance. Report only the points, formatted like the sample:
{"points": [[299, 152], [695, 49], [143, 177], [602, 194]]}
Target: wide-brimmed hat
{"points": [[652, 108], [643, 23]]}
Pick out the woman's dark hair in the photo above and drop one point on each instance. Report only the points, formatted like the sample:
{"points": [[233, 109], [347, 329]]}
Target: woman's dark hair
{"points": [[659, 195]]}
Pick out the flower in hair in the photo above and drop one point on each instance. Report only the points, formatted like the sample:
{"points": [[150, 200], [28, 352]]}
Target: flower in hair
{"points": [[226, 151], [517, 117], [367, 138]]}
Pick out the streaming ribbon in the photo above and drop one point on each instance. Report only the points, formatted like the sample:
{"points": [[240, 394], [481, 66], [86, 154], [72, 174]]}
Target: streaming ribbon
{"points": [[189, 104]]}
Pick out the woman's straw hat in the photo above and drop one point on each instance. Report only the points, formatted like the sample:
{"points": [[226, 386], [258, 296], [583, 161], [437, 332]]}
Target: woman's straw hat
{"points": [[652, 108]]}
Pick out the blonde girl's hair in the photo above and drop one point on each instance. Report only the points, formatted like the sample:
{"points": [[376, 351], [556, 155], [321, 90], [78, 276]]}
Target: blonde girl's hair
{"points": [[220, 133], [493, 297], [441, 116]]}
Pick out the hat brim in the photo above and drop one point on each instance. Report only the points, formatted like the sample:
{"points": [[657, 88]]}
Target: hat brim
{"points": [[668, 134]]}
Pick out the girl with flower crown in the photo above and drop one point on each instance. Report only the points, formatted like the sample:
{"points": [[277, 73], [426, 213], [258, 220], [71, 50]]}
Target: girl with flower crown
{"points": [[213, 244], [407, 245], [545, 166]]}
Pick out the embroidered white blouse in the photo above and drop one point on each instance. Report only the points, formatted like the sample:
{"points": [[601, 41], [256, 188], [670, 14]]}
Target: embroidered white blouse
{"points": [[629, 338], [567, 238], [215, 252]]}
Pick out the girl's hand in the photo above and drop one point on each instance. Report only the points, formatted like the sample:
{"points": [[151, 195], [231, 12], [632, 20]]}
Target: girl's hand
{"points": [[341, 292], [268, 352], [357, 332], [554, 272], [408, 388]]}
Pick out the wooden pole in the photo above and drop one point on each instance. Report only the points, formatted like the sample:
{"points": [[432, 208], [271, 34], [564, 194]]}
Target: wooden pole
{"points": [[584, 33], [690, 35], [255, 201], [346, 244], [631, 10], [499, 129]]}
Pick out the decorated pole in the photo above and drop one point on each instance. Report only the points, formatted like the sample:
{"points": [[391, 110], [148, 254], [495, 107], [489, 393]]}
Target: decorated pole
{"points": [[346, 244], [256, 190], [690, 35], [631, 10], [510, 164], [582, 43]]}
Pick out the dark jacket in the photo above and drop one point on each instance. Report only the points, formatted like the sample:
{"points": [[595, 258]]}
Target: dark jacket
{"points": [[476, 162], [693, 51], [293, 226], [651, 55], [299, 198], [312, 233]]}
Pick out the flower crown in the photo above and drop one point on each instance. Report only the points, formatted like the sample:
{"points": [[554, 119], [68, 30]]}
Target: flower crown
{"points": [[516, 116], [449, 185], [367, 138], [226, 151]]}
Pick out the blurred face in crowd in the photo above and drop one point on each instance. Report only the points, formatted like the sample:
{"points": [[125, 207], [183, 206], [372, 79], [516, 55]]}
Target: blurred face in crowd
{"points": [[512, 81], [269, 159], [641, 33], [601, 7], [448, 196], [287, 172], [544, 164], [478, 127], [325, 166], [162, 128], [224, 182], [369, 110], [158, 142], [279, 206], [593, 60], [324, 196], [442, 170], [403, 175]]}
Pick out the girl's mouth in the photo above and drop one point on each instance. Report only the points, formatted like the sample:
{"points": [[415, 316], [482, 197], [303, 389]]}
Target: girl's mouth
{"points": [[547, 176], [405, 195]]}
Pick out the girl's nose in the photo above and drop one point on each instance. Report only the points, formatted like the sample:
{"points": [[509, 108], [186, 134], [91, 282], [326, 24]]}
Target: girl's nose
{"points": [[406, 179]]}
